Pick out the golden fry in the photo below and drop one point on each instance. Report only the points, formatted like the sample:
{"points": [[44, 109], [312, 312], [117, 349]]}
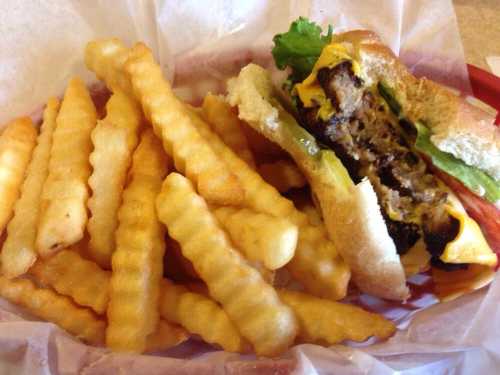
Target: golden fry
{"points": [[71, 275], [267, 275], [46, 304], [137, 263], [201, 316], [191, 153], [227, 125], [316, 263], [16, 144], [283, 175], [18, 252], [114, 140], [252, 304], [261, 237], [165, 336], [63, 213], [106, 58], [327, 322], [125, 112]]}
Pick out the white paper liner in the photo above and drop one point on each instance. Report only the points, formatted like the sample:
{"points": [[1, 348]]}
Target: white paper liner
{"points": [[41, 47]]}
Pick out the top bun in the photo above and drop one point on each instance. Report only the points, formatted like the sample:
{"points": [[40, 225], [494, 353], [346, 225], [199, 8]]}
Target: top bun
{"points": [[458, 127]]}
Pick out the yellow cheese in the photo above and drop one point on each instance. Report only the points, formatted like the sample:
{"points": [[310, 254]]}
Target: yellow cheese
{"points": [[310, 92], [469, 246]]}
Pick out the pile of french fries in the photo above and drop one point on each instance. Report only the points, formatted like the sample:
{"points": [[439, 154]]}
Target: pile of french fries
{"points": [[93, 206]]}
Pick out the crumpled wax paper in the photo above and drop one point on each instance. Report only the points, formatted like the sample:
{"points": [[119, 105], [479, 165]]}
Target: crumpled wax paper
{"points": [[199, 44]]}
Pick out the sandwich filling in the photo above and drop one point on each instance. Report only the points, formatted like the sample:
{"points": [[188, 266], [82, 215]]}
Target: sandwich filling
{"points": [[357, 123]]}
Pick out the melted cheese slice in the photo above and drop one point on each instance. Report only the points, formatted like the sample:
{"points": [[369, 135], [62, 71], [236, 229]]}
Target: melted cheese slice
{"points": [[469, 246], [310, 91]]}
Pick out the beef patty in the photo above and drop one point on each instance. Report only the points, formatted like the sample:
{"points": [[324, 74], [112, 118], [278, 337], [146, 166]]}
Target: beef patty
{"points": [[372, 143]]}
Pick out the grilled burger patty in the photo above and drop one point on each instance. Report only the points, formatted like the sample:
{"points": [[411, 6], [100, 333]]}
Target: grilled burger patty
{"points": [[371, 142]]}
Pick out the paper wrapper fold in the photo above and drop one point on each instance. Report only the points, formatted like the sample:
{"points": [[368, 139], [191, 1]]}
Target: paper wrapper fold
{"points": [[199, 44]]}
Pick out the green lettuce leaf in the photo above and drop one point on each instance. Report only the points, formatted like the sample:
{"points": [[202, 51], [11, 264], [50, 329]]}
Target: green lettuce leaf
{"points": [[300, 47], [473, 178]]}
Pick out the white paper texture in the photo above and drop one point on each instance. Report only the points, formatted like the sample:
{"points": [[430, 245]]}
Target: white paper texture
{"points": [[201, 43]]}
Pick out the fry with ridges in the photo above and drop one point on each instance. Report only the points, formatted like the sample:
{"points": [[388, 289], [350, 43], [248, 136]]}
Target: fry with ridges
{"points": [[18, 252], [316, 263], [63, 211], [71, 275], [106, 57], [227, 125], [328, 322], [137, 263], [114, 140], [201, 316], [16, 145], [166, 336], [261, 237], [252, 304], [46, 304], [191, 153]]}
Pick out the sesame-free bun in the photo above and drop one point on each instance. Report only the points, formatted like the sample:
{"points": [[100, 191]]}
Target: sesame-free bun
{"points": [[458, 127], [352, 215]]}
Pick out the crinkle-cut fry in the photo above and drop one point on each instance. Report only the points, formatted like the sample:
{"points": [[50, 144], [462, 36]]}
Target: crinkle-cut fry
{"points": [[283, 175], [71, 275], [137, 263], [227, 125], [114, 140], [16, 145], [259, 195], [19, 252], [316, 263], [261, 237], [267, 274], [191, 153], [327, 322], [48, 305], [165, 336], [201, 316], [110, 161], [106, 58], [124, 111], [63, 212], [251, 303]]}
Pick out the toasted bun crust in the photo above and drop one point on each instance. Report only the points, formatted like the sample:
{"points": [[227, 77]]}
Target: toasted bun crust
{"points": [[459, 128], [353, 218], [368, 249]]}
